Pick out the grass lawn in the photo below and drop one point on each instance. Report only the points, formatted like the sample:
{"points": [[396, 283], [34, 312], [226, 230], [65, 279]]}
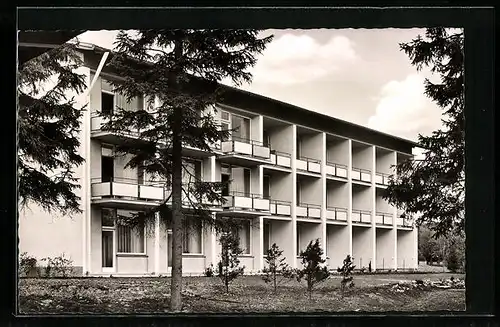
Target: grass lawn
{"points": [[247, 294]]}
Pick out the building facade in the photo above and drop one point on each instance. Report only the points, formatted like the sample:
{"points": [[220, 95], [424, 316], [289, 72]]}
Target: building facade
{"points": [[295, 175]]}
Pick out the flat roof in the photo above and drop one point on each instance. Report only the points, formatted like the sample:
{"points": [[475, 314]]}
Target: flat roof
{"points": [[277, 109]]}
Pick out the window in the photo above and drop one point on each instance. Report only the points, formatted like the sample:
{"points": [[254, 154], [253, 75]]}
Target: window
{"points": [[267, 237], [299, 148], [225, 188], [192, 171], [299, 189], [246, 181], [224, 115], [241, 127], [243, 232], [107, 249], [266, 187], [192, 237], [130, 239], [266, 139], [169, 248], [107, 169], [107, 103], [298, 240]]}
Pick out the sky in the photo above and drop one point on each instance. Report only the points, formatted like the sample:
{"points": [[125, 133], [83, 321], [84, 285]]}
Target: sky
{"points": [[358, 75]]}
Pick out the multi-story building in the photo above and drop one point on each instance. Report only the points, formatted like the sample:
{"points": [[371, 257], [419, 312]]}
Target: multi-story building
{"points": [[296, 176]]}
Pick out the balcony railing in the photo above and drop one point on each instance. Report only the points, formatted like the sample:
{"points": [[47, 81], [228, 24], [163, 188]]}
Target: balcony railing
{"points": [[383, 218], [98, 121], [404, 222], [243, 146], [335, 169], [309, 210], [280, 208], [309, 164], [282, 159], [382, 178], [246, 201], [336, 213], [361, 216], [360, 174], [130, 188]]}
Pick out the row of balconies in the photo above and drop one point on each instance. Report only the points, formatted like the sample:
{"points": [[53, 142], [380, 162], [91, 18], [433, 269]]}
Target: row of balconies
{"points": [[139, 195], [249, 153]]}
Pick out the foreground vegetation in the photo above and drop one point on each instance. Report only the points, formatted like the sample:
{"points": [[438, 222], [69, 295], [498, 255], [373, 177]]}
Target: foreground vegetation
{"points": [[247, 294]]}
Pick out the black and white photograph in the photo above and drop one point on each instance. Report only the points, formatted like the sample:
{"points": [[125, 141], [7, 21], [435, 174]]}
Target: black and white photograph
{"points": [[241, 171]]}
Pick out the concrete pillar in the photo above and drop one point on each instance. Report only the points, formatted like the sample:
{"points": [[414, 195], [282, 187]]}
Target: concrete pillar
{"points": [[374, 209], [349, 189], [394, 222], [323, 195], [294, 195]]}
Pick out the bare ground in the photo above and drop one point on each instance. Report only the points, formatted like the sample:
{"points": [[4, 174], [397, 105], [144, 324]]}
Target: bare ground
{"points": [[247, 294]]}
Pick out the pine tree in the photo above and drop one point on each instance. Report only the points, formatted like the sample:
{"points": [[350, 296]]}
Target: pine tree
{"points": [[276, 270], [434, 186], [178, 72], [48, 127], [229, 265], [312, 270], [346, 272]]}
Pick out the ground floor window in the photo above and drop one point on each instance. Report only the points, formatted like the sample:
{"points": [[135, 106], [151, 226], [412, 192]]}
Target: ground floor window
{"points": [[243, 232], [267, 237], [192, 237], [130, 240]]}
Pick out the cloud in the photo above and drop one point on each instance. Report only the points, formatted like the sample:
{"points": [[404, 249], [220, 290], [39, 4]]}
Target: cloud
{"points": [[292, 59], [404, 110]]}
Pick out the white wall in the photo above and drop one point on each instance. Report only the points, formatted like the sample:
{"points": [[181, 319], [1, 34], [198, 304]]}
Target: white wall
{"points": [[280, 138], [337, 151], [337, 244], [385, 248], [384, 162], [337, 194], [362, 157], [362, 238], [256, 128], [406, 250], [362, 198], [281, 234], [311, 190], [312, 146], [381, 204], [281, 187]]}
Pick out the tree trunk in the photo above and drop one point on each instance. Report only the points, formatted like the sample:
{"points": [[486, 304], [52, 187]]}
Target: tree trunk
{"points": [[176, 283], [275, 288]]}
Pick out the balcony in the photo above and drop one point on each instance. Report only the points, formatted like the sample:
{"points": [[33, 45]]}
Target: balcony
{"points": [[281, 159], [361, 216], [405, 222], [126, 193], [336, 213], [280, 208], [361, 175], [336, 170], [307, 210], [96, 132], [308, 165], [383, 218], [245, 204], [382, 178], [244, 152]]}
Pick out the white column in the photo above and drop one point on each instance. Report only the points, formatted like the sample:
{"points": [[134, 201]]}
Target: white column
{"points": [[157, 243], [260, 260], [394, 223], [293, 210], [323, 194], [349, 189], [213, 245], [374, 209]]}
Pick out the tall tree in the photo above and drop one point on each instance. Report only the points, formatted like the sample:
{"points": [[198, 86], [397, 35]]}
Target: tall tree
{"points": [[48, 127], [181, 69], [433, 187]]}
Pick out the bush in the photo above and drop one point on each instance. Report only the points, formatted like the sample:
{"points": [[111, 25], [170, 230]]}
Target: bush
{"points": [[209, 271], [58, 266], [313, 270], [277, 269], [28, 265]]}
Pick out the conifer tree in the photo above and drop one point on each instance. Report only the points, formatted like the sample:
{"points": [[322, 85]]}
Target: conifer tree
{"points": [[178, 72]]}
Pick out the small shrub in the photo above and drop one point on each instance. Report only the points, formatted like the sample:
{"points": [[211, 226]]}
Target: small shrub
{"points": [[370, 266], [27, 265], [277, 269], [59, 266], [229, 265], [312, 270], [346, 272], [453, 261], [209, 271]]}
